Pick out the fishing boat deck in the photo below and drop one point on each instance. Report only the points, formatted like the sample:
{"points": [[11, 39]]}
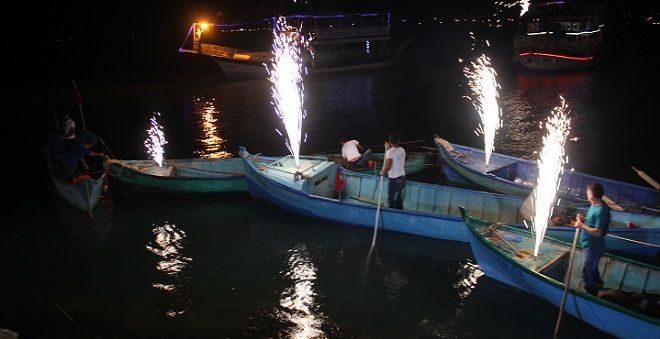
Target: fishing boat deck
{"points": [[553, 257]]}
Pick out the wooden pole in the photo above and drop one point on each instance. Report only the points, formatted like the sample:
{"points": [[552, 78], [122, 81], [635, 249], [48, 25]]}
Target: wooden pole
{"points": [[567, 282], [82, 115], [647, 178], [380, 190]]}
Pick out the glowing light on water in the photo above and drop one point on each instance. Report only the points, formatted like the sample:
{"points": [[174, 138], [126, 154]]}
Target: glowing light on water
{"points": [[155, 140], [168, 245], [285, 74], [211, 141], [298, 300], [551, 166], [482, 79]]}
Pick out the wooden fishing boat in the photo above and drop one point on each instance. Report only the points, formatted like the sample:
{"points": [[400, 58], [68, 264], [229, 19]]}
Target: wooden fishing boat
{"points": [[310, 189], [177, 176], [515, 176], [415, 162], [84, 194], [505, 254], [429, 210]]}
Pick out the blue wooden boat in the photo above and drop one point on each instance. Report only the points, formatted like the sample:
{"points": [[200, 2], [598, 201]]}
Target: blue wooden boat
{"points": [[177, 176], [505, 253], [515, 176], [429, 210]]}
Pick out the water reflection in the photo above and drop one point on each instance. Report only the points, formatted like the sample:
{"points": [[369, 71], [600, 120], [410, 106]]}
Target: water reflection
{"points": [[210, 141], [168, 245], [298, 300], [469, 274]]}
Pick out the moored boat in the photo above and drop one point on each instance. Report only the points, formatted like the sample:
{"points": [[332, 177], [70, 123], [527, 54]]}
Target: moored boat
{"points": [[505, 254], [339, 43], [515, 176], [83, 192], [177, 176]]}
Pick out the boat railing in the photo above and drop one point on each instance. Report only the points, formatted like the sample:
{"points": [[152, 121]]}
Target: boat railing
{"points": [[234, 53], [342, 32]]}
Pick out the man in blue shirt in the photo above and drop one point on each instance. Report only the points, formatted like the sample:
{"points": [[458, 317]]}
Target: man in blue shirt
{"points": [[78, 154], [592, 238]]}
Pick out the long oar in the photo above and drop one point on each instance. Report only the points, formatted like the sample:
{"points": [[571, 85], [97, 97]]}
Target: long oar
{"points": [[373, 240], [567, 282], [79, 100], [647, 178]]}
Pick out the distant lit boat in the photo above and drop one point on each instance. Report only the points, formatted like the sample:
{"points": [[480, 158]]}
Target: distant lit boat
{"points": [[559, 35], [429, 210], [177, 176], [505, 253], [344, 42], [515, 176]]}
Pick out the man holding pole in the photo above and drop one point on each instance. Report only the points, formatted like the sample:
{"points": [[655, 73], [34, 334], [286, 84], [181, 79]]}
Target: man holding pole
{"points": [[592, 238], [394, 167]]}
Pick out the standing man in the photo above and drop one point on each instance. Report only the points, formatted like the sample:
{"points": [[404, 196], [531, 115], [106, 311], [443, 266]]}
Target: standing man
{"points": [[592, 238], [394, 167], [351, 154]]}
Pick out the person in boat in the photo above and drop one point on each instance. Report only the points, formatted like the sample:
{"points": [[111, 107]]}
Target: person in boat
{"points": [[350, 152], [69, 131], [592, 237], [394, 167], [77, 155]]}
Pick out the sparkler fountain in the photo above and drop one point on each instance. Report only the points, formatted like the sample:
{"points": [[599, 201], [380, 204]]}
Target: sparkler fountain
{"points": [[482, 80], [551, 166], [285, 75], [155, 140]]}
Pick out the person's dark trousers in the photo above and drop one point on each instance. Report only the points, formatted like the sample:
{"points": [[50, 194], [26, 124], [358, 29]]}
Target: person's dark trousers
{"points": [[364, 158], [395, 192], [590, 275]]}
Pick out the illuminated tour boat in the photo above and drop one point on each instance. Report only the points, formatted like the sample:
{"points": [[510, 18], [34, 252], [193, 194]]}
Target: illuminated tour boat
{"points": [[336, 43], [559, 35]]}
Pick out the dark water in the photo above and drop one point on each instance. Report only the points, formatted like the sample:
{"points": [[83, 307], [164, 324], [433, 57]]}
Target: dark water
{"points": [[232, 267]]}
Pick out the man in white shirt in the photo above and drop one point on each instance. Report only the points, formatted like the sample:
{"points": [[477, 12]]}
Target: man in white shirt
{"points": [[394, 167], [351, 154]]}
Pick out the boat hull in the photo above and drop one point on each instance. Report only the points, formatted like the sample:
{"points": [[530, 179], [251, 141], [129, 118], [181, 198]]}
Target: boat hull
{"points": [[601, 314], [335, 210], [545, 63], [239, 70], [211, 176], [84, 195]]}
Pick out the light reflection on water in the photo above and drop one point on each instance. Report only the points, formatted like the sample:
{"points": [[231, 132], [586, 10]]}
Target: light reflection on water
{"points": [[470, 274], [298, 301], [168, 245], [210, 141]]}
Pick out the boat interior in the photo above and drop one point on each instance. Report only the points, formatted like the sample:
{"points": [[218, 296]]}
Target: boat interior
{"points": [[624, 277], [188, 168]]}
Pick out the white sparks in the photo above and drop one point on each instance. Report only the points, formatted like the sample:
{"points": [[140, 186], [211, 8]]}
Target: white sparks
{"points": [[155, 140], [524, 4], [551, 166], [482, 80], [287, 87]]}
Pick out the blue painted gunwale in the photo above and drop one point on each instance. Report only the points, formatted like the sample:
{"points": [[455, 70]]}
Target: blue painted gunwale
{"points": [[604, 315]]}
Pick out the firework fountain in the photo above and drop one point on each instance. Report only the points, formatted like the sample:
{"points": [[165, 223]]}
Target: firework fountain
{"points": [[155, 140], [482, 79], [551, 166], [285, 75]]}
